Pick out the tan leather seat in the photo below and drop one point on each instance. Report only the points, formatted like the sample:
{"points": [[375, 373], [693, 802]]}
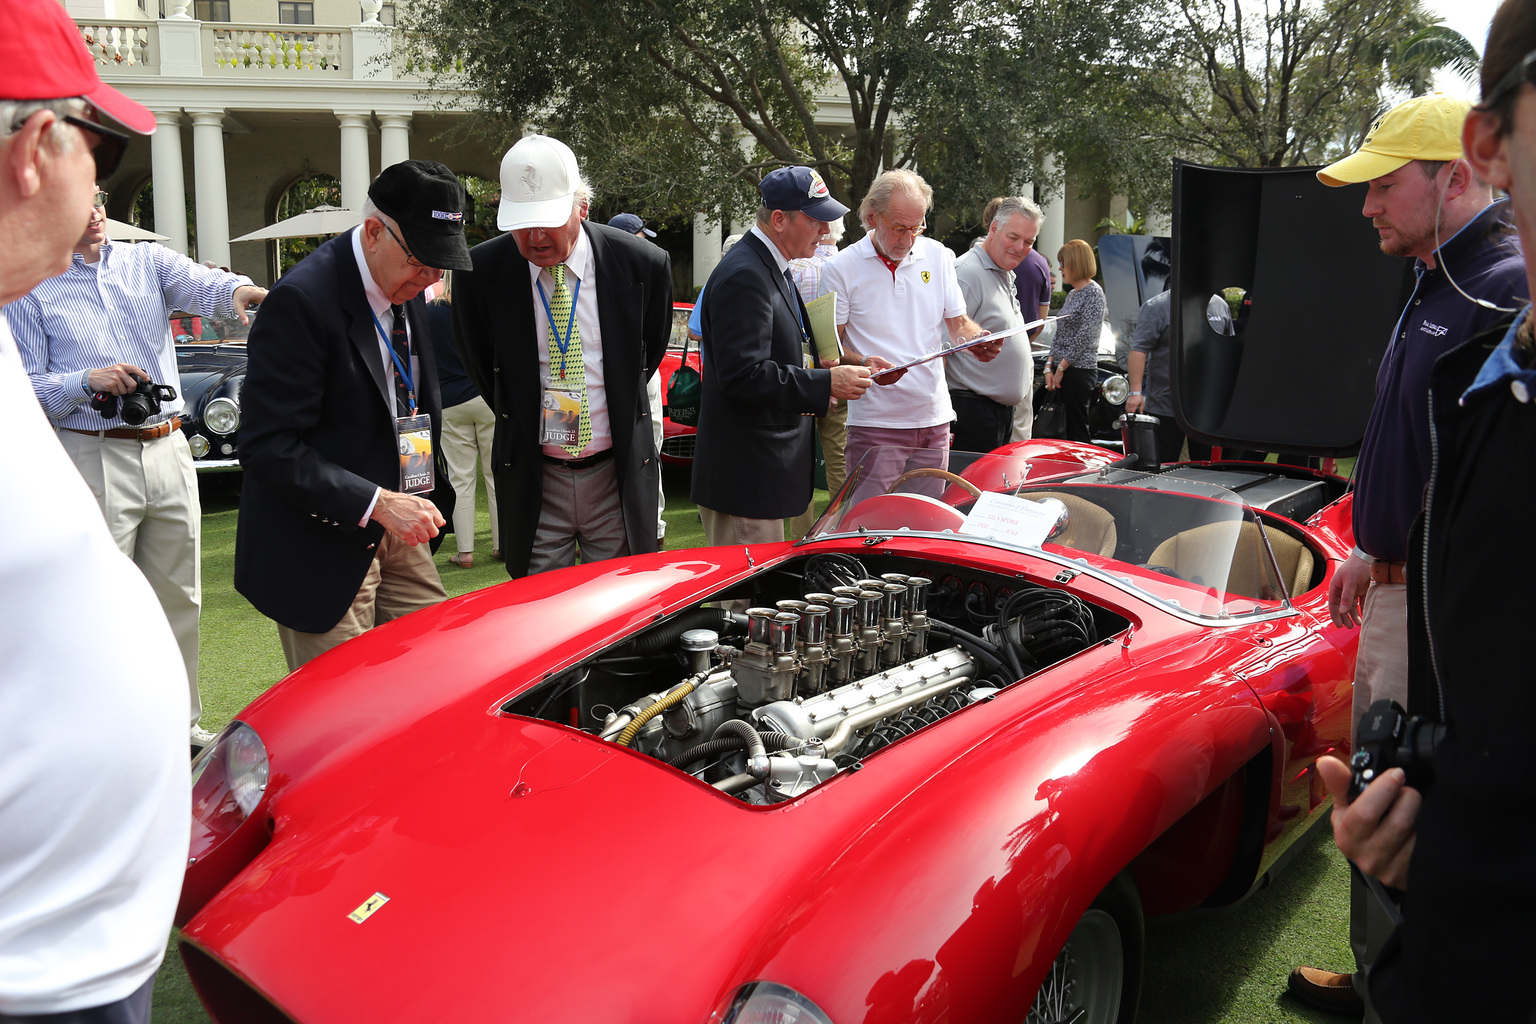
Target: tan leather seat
{"points": [[1229, 556], [1089, 527]]}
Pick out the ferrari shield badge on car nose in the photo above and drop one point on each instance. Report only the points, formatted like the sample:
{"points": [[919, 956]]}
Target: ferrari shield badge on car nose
{"points": [[369, 907]]}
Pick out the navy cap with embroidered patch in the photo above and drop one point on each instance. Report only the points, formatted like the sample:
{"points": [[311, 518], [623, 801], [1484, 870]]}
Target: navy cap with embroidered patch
{"points": [[800, 188], [428, 201]]}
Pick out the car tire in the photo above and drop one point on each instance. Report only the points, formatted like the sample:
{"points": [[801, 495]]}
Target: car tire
{"points": [[1096, 978]]}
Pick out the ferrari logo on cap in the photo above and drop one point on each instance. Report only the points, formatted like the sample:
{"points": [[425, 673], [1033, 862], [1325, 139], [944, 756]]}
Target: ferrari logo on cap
{"points": [[370, 907], [818, 189], [531, 178], [926, 277]]}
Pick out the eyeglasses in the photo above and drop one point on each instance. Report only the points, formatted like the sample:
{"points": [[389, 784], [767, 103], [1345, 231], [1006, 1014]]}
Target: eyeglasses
{"points": [[1524, 71], [99, 199], [903, 229], [409, 256], [107, 146]]}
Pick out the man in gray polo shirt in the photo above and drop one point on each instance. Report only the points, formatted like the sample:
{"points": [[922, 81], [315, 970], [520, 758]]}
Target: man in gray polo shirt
{"points": [[984, 394]]}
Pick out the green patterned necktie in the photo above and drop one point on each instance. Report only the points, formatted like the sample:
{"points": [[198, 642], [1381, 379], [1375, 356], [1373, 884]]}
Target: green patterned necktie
{"points": [[567, 369]]}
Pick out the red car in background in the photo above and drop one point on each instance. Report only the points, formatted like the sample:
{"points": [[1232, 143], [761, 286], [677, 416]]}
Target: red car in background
{"points": [[677, 438]]}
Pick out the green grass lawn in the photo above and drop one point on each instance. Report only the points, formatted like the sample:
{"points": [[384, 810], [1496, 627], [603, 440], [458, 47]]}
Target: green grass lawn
{"points": [[1231, 967]]}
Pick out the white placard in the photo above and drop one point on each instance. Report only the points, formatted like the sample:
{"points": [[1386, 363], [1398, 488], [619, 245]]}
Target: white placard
{"points": [[1004, 517]]}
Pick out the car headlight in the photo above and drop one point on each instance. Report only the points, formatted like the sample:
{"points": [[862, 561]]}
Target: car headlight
{"points": [[1116, 390], [764, 1002], [222, 416], [229, 779], [199, 445]]}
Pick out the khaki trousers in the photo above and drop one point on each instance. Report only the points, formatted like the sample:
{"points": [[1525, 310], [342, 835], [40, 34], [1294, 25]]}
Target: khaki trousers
{"points": [[147, 491], [402, 579], [1381, 671], [468, 429]]}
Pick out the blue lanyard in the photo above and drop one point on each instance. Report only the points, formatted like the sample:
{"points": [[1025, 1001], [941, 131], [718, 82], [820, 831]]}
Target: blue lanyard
{"points": [[405, 373], [570, 323]]}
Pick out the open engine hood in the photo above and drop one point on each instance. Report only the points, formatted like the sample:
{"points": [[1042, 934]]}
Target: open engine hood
{"points": [[1299, 373]]}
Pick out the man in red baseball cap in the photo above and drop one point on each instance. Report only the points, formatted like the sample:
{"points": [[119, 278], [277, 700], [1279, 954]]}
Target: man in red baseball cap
{"points": [[51, 107], [94, 785]]}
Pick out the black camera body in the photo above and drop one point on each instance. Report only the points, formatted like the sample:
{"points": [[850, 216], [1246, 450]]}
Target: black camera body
{"points": [[138, 405], [1388, 738]]}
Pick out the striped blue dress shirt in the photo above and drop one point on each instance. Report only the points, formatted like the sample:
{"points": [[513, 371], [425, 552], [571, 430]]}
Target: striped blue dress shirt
{"points": [[116, 310]]}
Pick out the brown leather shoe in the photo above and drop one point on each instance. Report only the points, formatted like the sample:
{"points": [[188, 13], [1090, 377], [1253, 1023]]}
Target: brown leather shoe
{"points": [[1327, 991]]}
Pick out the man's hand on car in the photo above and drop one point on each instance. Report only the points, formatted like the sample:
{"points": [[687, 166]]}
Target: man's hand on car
{"points": [[1346, 592]]}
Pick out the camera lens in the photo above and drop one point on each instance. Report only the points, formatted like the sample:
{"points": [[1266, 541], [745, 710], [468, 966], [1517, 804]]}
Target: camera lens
{"points": [[135, 409]]}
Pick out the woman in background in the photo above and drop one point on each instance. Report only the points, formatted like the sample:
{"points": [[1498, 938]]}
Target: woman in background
{"points": [[1072, 367]]}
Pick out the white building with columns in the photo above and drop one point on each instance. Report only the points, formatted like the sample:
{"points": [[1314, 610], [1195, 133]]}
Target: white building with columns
{"points": [[250, 100]]}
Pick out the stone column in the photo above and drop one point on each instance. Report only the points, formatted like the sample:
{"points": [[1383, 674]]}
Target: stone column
{"points": [[706, 247], [170, 184], [1053, 231], [394, 139], [210, 186], [355, 174]]}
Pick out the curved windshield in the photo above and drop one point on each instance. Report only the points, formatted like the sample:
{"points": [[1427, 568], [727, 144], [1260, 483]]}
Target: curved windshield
{"points": [[1185, 543]]}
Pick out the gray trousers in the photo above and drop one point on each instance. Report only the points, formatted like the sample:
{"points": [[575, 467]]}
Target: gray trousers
{"points": [[582, 509]]}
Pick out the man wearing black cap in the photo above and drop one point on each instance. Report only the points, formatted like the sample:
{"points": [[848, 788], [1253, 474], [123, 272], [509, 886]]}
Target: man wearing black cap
{"points": [[754, 462], [341, 416]]}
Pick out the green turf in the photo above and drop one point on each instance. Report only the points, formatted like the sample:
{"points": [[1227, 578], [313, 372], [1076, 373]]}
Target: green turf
{"points": [[1229, 968]]}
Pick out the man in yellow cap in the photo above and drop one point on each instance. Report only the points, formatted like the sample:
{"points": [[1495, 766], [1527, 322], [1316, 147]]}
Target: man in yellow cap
{"points": [[1425, 201]]}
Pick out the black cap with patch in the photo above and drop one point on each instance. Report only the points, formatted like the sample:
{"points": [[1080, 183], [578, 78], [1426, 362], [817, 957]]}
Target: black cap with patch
{"points": [[429, 203]]}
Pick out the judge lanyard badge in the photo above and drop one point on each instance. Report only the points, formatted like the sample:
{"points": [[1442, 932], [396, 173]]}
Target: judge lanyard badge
{"points": [[570, 323], [404, 371]]}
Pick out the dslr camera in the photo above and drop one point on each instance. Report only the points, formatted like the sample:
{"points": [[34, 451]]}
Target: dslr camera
{"points": [[138, 405], [1388, 738]]}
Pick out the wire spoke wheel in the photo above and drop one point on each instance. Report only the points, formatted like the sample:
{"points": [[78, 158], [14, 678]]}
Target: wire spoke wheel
{"points": [[1096, 978], [1083, 986]]}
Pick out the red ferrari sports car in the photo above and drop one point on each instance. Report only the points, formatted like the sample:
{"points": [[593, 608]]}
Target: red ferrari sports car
{"points": [[677, 438], [936, 762]]}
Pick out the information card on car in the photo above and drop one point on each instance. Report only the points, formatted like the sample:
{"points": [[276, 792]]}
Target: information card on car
{"points": [[1015, 520]]}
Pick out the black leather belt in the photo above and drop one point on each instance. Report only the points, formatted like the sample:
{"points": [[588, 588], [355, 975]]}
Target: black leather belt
{"points": [[583, 462], [964, 393]]}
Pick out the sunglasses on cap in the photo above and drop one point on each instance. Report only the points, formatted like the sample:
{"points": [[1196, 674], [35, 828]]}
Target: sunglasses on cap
{"points": [[1523, 71], [107, 146]]}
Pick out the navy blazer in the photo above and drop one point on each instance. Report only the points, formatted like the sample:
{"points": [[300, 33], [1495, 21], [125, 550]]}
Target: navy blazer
{"points": [[317, 438], [754, 454]]}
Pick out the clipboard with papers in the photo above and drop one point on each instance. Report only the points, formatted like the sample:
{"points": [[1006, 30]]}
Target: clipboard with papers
{"points": [[984, 339]]}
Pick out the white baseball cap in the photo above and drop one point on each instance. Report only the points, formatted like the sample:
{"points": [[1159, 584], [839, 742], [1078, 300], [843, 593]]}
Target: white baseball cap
{"points": [[539, 177]]}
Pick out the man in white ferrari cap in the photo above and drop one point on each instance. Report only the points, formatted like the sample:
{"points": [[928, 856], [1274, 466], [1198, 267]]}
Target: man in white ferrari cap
{"points": [[561, 322], [1426, 203]]}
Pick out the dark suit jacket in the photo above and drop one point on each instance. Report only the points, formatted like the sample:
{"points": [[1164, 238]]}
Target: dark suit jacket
{"points": [[754, 456], [494, 329], [317, 437]]}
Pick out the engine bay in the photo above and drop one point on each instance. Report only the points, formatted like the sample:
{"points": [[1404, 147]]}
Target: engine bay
{"points": [[833, 659]]}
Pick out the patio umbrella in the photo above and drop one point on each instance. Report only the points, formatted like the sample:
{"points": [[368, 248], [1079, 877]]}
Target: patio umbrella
{"points": [[121, 232], [322, 220]]}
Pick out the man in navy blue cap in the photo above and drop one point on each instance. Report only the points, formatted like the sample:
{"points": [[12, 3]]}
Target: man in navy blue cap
{"points": [[632, 223], [754, 462]]}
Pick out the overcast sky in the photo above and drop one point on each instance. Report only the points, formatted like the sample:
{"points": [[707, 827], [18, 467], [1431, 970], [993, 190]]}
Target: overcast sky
{"points": [[1470, 18]]}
